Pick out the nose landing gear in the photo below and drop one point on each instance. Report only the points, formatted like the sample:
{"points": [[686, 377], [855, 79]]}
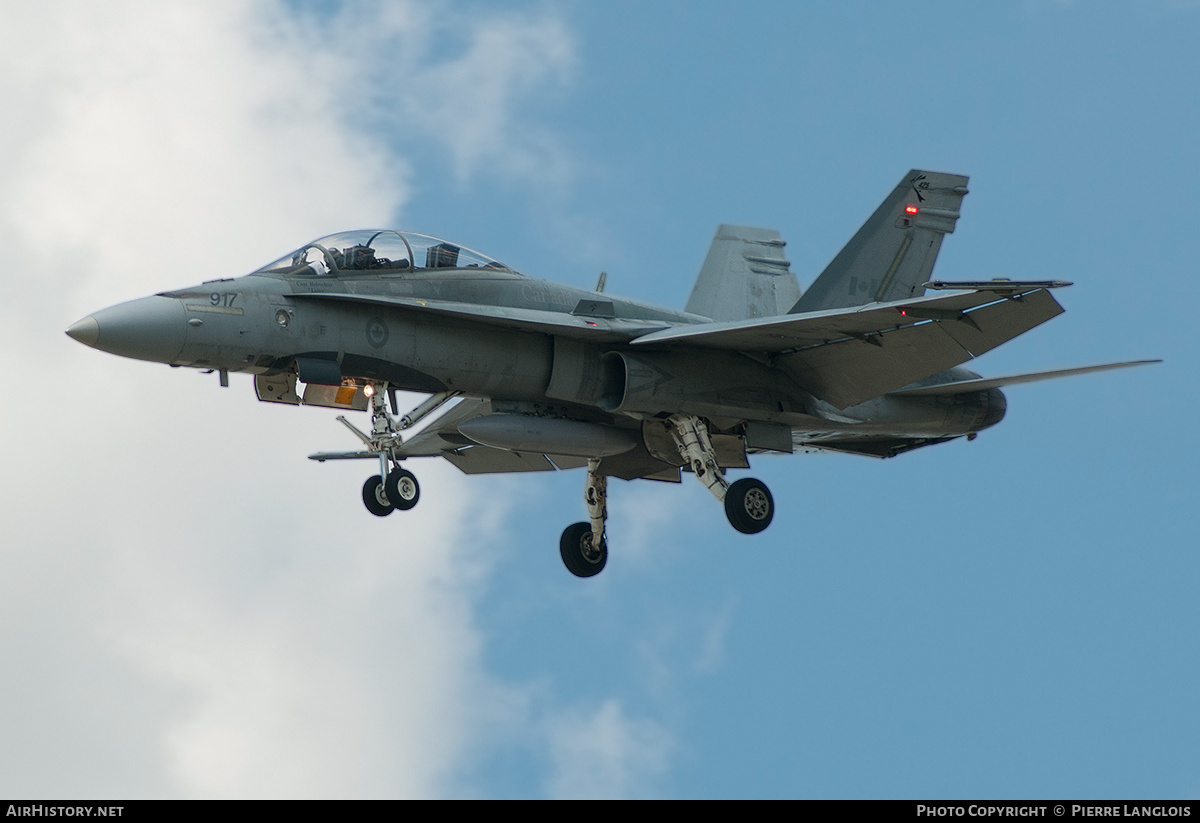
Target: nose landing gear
{"points": [[393, 488]]}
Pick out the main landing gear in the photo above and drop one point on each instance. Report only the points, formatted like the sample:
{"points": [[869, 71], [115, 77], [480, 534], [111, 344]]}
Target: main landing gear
{"points": [[582, 546], [748, 502]]}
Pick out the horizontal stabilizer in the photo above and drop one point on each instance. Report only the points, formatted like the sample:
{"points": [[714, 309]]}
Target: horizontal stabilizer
{"points": [[965, 386]]}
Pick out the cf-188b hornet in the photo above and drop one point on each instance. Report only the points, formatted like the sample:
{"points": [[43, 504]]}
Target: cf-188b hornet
{"points": [[526, 375]]}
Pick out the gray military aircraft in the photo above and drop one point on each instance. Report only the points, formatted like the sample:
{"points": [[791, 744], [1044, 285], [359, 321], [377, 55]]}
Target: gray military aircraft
{"points": [[525, 375]]}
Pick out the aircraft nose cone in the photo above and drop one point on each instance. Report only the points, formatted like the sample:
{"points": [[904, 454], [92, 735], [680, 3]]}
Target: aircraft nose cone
{"points": [[86, 331], [152, 328]]}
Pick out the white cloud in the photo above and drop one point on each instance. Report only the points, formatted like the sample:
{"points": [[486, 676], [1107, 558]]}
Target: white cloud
{"points": [[191, 608], [644, 514], [607, 754], [463, 79], [714, 639]]}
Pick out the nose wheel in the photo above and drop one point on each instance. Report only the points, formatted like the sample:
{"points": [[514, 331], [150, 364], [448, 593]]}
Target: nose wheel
{"points": [[375, 497], [402, 489], [384, 496]]}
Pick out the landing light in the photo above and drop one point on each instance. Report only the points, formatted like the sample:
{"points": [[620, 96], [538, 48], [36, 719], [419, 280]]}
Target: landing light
{"points": [[369, 390]]}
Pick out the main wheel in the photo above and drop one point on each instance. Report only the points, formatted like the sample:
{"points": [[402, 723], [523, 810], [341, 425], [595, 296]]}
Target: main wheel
{"points": [[375, 497], [581, 557], [402, 489], [749, 506]]}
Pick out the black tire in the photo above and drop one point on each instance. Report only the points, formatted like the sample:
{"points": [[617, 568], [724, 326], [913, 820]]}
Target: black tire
{"points": [[749, 506], [402, 489], [375, 497], [578, 554]]}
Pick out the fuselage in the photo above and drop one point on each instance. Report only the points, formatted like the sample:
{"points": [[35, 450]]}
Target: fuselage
{"points": [[332, 314]]}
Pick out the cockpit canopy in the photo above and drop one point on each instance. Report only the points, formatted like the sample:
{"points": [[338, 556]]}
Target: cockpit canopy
{"points": [[378, 251]]}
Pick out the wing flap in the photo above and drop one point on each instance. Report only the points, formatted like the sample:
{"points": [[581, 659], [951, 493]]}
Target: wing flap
{"points": [[487, 460], [986, 328], [854, 371]]}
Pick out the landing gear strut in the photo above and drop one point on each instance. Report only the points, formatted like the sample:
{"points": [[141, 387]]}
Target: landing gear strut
{"points": [[748, 502], [393, 488], [582, 546]]}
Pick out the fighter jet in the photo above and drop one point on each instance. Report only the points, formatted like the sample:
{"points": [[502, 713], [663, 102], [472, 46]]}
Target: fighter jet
{"points": [[525, 375]]}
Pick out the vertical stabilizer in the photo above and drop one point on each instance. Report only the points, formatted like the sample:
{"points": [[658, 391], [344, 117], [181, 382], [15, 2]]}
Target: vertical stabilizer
{"points": [[745, 275], [894, 252]]}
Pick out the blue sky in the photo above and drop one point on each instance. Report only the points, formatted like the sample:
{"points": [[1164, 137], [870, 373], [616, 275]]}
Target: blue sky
{"points": [[200, 611]]}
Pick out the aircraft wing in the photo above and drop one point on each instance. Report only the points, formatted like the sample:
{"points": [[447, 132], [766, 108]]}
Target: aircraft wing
{"points": [[597, 329], [850, 355], [789, 331]]}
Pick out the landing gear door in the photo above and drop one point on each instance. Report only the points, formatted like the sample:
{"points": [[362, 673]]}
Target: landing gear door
{"points": [[276, 388], [730, 449], [336, 397]]}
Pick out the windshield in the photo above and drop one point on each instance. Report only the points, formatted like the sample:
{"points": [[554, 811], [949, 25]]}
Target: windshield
{"points": [[382, 251]]}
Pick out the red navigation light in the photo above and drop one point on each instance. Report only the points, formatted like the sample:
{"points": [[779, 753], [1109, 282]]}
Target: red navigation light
{"points": [[911, 209]]}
